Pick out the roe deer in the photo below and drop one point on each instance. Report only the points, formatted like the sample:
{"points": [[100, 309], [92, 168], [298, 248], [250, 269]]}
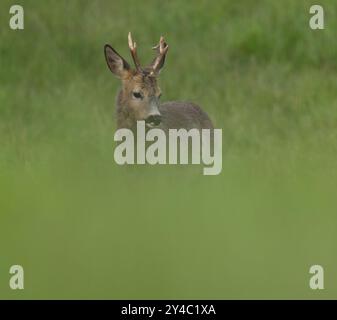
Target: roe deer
{"points": [[139, 96]]}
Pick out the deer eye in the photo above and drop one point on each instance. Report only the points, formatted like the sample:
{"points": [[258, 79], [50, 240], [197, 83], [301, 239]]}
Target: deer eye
{"points": [[137, 95]]}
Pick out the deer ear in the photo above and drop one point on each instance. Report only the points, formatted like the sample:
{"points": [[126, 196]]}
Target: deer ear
{"points": [[117, 65]]}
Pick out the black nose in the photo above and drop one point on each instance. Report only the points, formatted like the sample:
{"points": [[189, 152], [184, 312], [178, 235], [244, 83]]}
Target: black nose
{"points": [[154, 120]]}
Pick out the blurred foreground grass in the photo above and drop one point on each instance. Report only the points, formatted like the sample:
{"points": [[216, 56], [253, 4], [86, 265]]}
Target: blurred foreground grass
{"points": [[84, 228]]}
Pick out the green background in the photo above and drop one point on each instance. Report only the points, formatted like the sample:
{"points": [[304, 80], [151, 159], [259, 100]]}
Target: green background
{"points": [[83, 227]]}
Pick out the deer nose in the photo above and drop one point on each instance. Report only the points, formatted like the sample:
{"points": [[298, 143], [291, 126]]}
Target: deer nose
{"points": [[153, 120]]}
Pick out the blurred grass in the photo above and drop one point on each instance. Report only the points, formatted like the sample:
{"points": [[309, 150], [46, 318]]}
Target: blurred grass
{"points": [[84, 228]]}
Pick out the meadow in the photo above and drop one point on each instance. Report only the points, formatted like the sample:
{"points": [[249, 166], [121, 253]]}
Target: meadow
{"points": [[84, 227]]}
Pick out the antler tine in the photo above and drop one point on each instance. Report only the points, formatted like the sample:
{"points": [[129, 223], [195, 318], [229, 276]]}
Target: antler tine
{"points": [[133, 50], [161, 49]]}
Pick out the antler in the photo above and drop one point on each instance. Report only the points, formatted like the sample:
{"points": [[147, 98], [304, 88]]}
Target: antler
{"points": [[133, 50], [161, 49]]}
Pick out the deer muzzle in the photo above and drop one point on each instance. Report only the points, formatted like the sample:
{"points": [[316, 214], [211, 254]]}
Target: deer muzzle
{"points": [[153, 118], [153, 121]]}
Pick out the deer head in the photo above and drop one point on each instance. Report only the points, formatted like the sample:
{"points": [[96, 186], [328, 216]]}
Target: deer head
{"points": [[140, 93]]}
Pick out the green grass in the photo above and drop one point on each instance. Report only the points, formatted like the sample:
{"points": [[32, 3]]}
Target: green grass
{"points": [[83, 227]]}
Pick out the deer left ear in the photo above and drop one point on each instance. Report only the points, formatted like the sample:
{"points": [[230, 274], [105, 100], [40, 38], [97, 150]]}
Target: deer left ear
{"points": [[117, 65]]}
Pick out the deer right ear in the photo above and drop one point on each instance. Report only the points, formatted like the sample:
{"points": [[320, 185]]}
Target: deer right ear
{"points": [[117, 65]]}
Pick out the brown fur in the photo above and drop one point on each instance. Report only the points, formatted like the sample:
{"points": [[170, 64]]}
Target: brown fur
{"points": [[129, 110]]}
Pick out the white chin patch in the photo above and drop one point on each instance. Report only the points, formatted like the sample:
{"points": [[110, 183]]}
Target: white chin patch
{"points": [[150, 125]]}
